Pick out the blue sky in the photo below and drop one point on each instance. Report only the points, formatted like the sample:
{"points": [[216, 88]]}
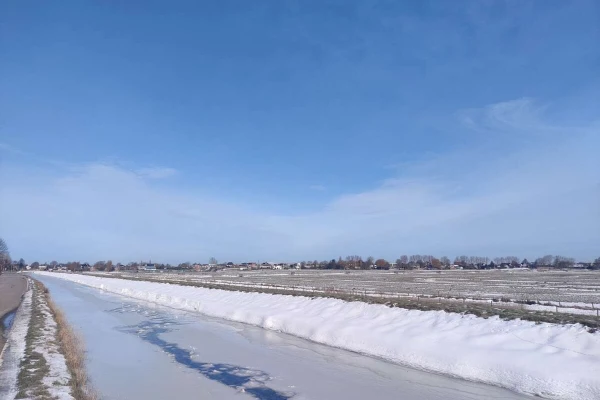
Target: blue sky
{"points": [[299, 130]]}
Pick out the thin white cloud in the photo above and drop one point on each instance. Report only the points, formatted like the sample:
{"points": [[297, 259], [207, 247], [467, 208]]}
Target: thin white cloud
{"points": [[318, 188], [11, 149], [544, 198], [156, 172]]}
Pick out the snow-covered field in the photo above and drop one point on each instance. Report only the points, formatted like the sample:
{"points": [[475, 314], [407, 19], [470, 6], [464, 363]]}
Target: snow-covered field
{"points": [[551, 361], [563, 289]]}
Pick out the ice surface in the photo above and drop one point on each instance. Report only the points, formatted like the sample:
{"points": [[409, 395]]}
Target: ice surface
{"points": [[547, 360]]}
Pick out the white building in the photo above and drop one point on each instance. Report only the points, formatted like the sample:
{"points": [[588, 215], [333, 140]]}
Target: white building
{"points": [[148, 267]]}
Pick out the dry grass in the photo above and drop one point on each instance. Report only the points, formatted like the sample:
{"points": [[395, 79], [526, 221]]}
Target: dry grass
{"points": [[33, 367], [73, 349]]}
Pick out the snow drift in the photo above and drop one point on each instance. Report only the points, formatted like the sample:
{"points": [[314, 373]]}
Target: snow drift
{"points": [[551, 361]]}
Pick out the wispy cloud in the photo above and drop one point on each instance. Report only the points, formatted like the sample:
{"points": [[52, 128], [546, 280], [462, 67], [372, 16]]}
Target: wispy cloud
{"points": [[156, 172], [528, 200], [10, 149]]}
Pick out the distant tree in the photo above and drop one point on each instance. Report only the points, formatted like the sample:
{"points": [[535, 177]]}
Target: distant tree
{"points": [[545, 261], [4, 255], [22, 264], [445, 261], [108, 266], [368, 263], [435, 263], [213, 260], [354, 262], [382, 264], [525, 262], [98, 266], [53, 264], [596, 263], [74, 266], [512, 260], [563, 262], [461, 260]]}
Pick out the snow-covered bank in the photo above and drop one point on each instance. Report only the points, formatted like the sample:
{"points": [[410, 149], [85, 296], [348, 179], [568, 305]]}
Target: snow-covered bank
{"points": [[33, 365], [560, 362], [14, 350]]}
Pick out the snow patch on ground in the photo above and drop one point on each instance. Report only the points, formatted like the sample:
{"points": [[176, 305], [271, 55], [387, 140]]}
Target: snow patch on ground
{"points": [[19, 351], [551, 361], [14, 350]]}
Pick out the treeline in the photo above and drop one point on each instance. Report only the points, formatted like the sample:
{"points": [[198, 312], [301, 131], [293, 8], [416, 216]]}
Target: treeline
{"points": [[350, 262], [429, 261]]}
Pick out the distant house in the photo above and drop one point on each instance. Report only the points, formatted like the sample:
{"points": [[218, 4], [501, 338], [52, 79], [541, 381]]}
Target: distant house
{"points": [[581, 265], [43, 267], [148, 267]]}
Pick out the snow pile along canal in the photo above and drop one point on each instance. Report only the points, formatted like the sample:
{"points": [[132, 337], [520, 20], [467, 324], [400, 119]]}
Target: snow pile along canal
{"points": [[551, 361]]}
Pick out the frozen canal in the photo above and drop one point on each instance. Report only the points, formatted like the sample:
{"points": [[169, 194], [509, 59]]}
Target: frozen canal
{"points": [[139, 350]]}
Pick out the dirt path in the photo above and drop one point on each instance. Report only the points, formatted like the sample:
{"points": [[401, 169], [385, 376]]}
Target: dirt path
{"points": [[12, 287]]}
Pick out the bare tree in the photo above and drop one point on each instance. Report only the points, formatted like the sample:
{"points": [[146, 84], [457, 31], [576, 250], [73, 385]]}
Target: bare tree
{"points": [[445, 261], [563, 262], [354, 262], [99, 266], [545, 261], [213, 261], [4, 255], [435, 263], [73, 266]]}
